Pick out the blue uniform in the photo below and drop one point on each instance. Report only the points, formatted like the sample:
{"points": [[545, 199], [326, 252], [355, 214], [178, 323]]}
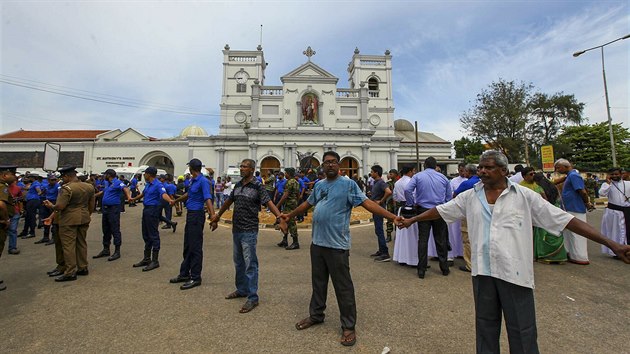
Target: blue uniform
{"points": [[198, 193], [32, 206], [112, 192], [153, 192], [52, 191]]}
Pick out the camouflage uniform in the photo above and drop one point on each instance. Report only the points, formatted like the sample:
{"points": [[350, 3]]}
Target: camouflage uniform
{"points": [[293, 188], [5, 198], [591, 185], [391, 207]]}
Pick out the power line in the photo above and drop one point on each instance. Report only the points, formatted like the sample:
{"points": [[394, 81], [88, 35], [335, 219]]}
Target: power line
{"points": [[106, 101], [93, 93]]}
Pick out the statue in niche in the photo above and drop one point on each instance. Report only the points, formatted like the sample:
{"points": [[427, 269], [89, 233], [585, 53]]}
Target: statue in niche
{"points": [[310, 109]]}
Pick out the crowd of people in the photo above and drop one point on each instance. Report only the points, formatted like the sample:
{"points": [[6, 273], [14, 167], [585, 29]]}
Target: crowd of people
{"points": [[495, 223]]}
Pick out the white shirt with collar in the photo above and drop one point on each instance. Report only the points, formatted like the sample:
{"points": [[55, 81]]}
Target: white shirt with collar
{"points": [[501, 235], [455, 182], [399, 188]]}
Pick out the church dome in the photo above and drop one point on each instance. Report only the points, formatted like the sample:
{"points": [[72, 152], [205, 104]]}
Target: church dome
{"points": [[403, 125], [192, 130]]}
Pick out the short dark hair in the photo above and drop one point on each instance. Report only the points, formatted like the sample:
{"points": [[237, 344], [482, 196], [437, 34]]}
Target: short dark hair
{"points": [[614, 169], [526, 170], [430, 162], [333, 154], [394, 171], [518, 168], [250, 162], [378, 169], [405, 170]]}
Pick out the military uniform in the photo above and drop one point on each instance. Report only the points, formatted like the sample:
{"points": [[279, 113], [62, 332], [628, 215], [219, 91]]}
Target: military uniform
{"points": [[74, 220], [6, 202], [591, 185], [292, 187]]}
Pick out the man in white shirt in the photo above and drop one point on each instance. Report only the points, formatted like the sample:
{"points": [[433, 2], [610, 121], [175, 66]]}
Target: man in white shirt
{"points": [[517, 177], [616, 219], [500, 217]]}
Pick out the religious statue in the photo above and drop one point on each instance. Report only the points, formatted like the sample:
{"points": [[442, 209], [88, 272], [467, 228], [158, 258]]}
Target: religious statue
{"points": [[310, 109]]}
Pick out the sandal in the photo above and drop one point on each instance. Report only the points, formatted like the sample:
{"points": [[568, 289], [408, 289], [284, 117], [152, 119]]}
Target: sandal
{"points": [[234, 295], [348, 338], [248, 306], [306, 323]]}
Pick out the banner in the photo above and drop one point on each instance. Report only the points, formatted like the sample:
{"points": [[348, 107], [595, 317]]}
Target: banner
{"points": [[546, 153]]}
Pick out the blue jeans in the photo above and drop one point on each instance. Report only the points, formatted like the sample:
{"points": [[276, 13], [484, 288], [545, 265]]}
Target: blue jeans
{"points": [[380, 235], [219, 197], [246, 263], [12, 231]]}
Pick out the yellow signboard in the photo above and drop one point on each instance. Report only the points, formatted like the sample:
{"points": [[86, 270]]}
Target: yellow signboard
{"points": [[547, 158]]}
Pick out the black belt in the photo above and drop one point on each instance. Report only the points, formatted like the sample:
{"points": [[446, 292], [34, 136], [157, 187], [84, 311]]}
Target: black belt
{"points": [[626, 216]]}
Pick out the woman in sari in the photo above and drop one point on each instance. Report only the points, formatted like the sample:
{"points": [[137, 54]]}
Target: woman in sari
{"points": [[548, 247]]}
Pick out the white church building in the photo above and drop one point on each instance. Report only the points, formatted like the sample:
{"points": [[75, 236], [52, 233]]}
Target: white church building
{"points": [[307, 114]]}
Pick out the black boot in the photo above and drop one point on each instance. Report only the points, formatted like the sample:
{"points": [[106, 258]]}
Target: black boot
{"points": [[145, 261], [103, 253], [116, 254], [154, 262], [283, 243], [295, 245]]}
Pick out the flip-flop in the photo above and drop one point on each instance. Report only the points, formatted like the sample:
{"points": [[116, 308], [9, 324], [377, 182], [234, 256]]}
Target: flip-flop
{"points": [[306, 323], [248, 306], [348, 338]]}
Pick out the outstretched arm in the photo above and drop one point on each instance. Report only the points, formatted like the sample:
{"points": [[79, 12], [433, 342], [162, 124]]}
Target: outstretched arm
{"points": [[586, 230]]}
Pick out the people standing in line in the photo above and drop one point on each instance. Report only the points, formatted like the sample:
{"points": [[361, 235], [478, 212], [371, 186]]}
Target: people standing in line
{"points": [[32, 205], [334, 199], [167, 207], [390, 204], [575, 201], [426, 190], [500, 217], [152, 195], [196, 198], [75, 204], [616, 219], [288, 202], [113, 189], [7, 177], [380, 193], [248, 195], [473, 179]]}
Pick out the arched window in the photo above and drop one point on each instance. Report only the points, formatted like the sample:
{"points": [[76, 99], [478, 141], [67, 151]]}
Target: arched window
{"points": [[373, 87]]}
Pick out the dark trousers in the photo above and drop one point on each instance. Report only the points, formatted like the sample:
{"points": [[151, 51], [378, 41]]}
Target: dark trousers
{"points": [[168, 212], [193, 244], [150, 223], [30, 221], [494, 297], [333, 263], [43, 214], [440, 235], [380, 236], [111, 225], [61, 263]]}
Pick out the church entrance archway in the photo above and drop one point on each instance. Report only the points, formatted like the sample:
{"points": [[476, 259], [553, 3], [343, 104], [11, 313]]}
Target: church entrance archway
{"points": [[348, 166], [159, 160], [269, 164]]}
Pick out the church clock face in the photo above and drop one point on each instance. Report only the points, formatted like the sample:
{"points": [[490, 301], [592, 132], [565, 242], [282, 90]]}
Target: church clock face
{"points": [[241, 77]]}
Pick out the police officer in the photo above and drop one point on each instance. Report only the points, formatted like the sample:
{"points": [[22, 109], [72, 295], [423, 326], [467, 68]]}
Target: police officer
{"points": [[75, 204], [7, 176], [197, 196], [32, 205], [133, 187], [290, 198], [112, 192], [153, 193], [50, 193], [168, 208]]}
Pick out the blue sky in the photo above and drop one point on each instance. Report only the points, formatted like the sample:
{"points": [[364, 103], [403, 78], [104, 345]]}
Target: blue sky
{"points": [[168, 54]]}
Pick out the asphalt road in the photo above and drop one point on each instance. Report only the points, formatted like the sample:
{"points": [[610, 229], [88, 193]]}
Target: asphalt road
{"points": [[117, 308]]}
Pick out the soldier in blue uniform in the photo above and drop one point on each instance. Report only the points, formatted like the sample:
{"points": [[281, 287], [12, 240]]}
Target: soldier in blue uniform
{"points": [[196, 198], [153, 193], [113, 189]]}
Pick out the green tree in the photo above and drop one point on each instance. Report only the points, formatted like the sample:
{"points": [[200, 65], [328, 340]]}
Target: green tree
{"points": [[468, 149], [549, 115], [499, 117], [588, 146]]}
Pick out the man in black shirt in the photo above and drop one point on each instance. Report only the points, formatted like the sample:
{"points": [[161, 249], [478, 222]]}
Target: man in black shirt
{"points": [[247, 196], [380, 194]]}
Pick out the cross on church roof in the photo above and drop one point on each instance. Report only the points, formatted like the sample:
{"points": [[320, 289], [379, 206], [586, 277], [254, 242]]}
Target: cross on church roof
{"points": [[309, 52]]}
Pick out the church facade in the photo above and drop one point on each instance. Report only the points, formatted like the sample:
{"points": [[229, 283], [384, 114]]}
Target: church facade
{"points": [[277, 126]]}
